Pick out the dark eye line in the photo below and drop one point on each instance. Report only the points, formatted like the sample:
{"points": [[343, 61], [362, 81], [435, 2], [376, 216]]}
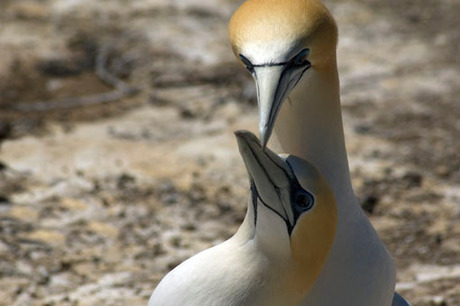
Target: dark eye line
{"points": [[247, 62], [250, 66], [302, 55]]}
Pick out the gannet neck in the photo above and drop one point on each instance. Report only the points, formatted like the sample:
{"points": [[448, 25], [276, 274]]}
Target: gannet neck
{"points": [[309, 125], [246, 231]]}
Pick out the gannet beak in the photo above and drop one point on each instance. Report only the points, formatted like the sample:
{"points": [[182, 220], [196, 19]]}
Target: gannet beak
{"points": [[270, 174], [274, 83], [271, 91]]}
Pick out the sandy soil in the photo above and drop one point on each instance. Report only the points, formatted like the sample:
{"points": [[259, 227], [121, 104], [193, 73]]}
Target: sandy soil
{"points": [[98, 202]]}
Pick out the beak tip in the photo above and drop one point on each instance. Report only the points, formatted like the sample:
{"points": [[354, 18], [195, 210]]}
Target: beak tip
{"points": [[244, 136], [264, 137], [246, 139], [264, 145], [238, 133]]}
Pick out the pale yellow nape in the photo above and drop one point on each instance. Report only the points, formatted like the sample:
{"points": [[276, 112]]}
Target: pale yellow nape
{"points": [[305, 23], [314, 232]]}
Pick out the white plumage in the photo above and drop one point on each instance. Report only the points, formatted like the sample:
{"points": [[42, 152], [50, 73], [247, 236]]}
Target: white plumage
{"points": [[302, 70], [278, 251]]}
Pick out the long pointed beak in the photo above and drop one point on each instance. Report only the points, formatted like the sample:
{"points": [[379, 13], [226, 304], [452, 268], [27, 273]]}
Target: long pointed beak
{"points": [[270, 96], [269, 172]]}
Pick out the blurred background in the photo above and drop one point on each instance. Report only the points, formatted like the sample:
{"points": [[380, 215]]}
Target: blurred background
{"points": [[117, 154]]}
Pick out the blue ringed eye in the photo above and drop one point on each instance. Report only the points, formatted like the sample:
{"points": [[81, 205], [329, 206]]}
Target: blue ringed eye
{"points": [[304, 200], [301, 58]]}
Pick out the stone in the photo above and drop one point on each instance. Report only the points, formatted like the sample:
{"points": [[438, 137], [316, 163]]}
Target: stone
{"points": [[48, 237], [103, 229]]}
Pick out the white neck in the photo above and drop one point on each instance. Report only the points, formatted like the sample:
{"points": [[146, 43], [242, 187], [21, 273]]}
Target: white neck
{"points": [[309, 125]]}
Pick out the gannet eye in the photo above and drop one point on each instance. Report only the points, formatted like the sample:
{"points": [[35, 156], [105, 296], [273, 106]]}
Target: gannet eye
{"points": [[304, 200], [248, 64], [301, 58]]}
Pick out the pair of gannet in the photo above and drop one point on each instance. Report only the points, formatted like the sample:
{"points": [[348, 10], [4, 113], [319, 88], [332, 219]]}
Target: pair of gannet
{"points": [[280, 248], [289, 47], [297, 245]]}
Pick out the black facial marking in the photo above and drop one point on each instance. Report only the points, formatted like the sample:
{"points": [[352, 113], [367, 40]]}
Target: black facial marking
{"points": [[300, 60], [255, 196], [247, 62], [298, 208], [300, 199], [288, 225]]}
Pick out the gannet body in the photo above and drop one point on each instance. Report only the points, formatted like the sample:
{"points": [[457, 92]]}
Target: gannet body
{"points": [[278, 251], [289, 47]]}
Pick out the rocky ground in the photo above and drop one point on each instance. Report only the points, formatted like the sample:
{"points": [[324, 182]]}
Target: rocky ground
{"points": [[118, 159]]}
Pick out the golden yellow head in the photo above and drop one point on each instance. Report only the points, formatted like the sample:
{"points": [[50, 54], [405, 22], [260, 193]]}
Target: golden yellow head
{"points": [[268, 31], [280, 41]]}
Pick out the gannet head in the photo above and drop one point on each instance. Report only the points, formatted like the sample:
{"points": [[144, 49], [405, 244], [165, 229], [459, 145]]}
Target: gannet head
{"points": [[279, 42], [295, 213]]}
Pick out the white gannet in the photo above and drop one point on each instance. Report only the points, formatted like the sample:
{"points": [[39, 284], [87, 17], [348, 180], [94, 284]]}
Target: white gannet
{"points": [[289, 47], [279, 249]]}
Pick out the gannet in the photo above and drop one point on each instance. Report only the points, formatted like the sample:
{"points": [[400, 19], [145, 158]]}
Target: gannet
{"points": [[289, 47], [279, 249]]}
